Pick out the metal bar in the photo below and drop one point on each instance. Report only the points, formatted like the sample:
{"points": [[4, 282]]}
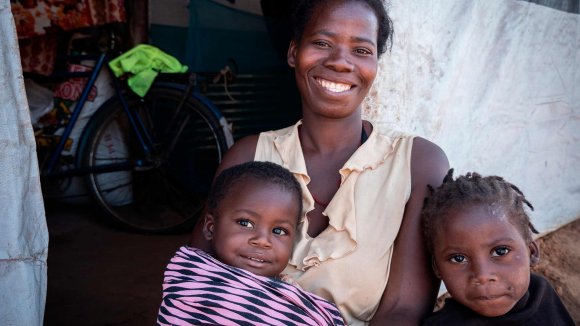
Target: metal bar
{"points": [[76, 113], [136, 123]]}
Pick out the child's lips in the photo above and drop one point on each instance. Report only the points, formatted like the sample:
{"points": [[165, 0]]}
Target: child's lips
{"points": [[256, 259], [488, 297]]}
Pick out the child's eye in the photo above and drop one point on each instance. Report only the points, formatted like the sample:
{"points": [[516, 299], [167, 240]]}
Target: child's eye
{"points": [[458, 259], [500, 251], [280, 231], [245, 223]]}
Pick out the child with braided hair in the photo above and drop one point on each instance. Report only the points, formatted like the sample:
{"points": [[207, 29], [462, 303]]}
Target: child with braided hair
{"points": [[480, 238]]}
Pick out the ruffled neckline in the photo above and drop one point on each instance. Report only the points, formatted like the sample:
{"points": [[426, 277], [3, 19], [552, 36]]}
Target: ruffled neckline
{"points": [[340, 237]]}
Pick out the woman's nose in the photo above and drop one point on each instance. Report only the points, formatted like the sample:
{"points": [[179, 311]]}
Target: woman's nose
{"points": [[339, 60], [261, 238], [483, 272]]}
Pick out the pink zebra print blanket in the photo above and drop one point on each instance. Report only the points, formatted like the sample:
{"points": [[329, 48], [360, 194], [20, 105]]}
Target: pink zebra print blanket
{"points": [[200, 290]]}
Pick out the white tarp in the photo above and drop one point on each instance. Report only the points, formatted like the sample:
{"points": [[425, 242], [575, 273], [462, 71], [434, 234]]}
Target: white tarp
{"points": [[496, 84], [23, 231]]}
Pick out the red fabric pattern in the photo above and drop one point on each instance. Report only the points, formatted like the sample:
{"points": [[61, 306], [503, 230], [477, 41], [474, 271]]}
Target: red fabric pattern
{"points": [[38, 17], [37, 54], [37, 20]]}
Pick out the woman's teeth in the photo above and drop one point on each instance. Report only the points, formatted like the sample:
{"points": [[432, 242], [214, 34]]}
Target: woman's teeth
{"points": [[334, 87]]}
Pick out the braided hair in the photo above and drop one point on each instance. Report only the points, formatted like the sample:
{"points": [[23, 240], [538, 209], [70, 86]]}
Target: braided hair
{"points": [[474, 189]]}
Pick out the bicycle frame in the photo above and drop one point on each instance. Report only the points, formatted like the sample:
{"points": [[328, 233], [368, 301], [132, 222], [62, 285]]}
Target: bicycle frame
{"points": [[144, 139], [134, 119]]}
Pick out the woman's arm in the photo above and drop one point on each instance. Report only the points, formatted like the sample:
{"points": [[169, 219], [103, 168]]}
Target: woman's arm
{"points": [[243, 151], [412, 287]]}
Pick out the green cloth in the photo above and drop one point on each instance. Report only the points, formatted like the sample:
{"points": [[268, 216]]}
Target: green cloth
{"points": [[143, 63]]}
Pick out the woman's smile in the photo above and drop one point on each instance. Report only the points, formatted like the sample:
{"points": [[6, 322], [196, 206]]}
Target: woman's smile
{"points": [[333, 87], [335, 60]]}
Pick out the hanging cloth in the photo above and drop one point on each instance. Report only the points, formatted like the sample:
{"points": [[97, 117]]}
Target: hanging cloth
{"points": [[143, 63]]}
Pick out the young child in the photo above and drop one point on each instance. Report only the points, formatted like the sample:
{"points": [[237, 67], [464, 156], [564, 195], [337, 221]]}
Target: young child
{"points": [[479, 235], [252, 214]]}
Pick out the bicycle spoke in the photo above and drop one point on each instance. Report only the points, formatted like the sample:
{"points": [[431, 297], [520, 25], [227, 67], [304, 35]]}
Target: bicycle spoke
{"points": [[165, 191]]}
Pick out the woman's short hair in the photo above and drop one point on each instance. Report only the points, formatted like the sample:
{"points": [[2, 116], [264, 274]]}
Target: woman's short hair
{"points": [[304, 9]]}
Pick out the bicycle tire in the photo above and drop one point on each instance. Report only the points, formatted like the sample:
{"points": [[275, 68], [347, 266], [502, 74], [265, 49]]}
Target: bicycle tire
{"points": [[168, 191]]}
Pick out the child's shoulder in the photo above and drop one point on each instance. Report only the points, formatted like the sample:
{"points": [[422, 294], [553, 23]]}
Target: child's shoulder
{"points": [[539, 306], [452, 313], [545, 303]]}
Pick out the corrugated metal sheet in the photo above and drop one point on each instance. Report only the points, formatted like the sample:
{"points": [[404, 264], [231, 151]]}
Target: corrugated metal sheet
{"points": [[257, 102]]}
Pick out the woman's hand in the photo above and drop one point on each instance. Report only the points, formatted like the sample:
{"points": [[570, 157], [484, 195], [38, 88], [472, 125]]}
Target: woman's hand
{"points": [[412, 287]]}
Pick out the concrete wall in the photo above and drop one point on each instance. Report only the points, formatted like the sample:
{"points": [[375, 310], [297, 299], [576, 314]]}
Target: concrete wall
{"points": [[496, 83]]}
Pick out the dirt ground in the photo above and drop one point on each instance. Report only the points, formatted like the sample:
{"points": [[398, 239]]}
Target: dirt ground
{"points": [[560, 264], [99, 275]]}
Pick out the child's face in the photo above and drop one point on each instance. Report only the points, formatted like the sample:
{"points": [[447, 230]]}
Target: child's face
{"points": [[483, 259], [255, 227]]}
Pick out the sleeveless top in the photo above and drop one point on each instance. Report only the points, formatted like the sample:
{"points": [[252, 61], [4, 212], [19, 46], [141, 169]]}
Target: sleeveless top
{"points": [[349, 262]]}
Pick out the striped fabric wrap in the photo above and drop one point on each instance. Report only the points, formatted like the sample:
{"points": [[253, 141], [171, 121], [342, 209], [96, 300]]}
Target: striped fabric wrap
{"points": [[200, 290]]}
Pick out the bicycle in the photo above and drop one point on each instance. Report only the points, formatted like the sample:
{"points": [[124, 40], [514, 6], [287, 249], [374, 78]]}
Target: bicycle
{"points": [[148, 162]]}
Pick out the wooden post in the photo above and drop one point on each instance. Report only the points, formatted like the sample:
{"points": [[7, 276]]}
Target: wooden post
{"points": [[138, 21]]}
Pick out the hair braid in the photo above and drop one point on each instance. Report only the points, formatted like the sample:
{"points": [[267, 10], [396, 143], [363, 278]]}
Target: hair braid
{"points": [[474, 189]]}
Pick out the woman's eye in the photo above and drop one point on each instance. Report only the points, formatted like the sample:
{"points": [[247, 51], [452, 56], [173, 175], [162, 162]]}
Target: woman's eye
{"points": [[280, 231], [458, 259], [321, 44], [245, 223], [363, 51], [500, 251]]}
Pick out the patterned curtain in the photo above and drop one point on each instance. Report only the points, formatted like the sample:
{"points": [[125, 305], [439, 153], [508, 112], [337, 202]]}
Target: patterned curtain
{"points": [[39, 21]]}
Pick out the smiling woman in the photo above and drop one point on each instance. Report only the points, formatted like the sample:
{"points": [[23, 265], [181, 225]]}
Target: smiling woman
{"points": [[362, 190], [336, 60]]}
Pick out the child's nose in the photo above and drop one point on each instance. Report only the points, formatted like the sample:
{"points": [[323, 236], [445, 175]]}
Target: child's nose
{"points": [[261, 238], [483, 272]]}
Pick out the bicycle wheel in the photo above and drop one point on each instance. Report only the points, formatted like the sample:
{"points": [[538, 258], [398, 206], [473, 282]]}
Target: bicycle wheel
{"points": [[164, 191]]}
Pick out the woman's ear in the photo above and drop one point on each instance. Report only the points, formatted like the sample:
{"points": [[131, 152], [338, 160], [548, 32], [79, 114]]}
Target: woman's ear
{"points": [[534, 253], [291, 56], [208, 227], [435, 268]]}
